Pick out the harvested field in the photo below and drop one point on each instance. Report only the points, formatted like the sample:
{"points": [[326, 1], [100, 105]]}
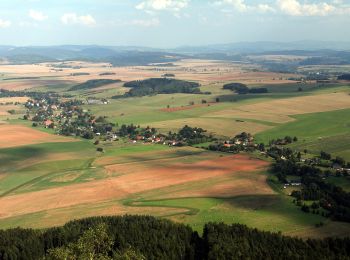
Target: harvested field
{"points": [[145, 177], [17, 85], [5, 108], [291, 106], [17, 135], [174, 109], [13, 99], [204, 71], [215, 126]]}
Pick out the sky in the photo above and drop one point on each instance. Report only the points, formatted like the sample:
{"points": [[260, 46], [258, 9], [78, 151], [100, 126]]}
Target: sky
{"points": [[171, 23]]}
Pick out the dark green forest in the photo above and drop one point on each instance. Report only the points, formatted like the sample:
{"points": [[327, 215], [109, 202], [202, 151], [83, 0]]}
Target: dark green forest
{"points": [[344, 77], [156, 86], [94, 83], [145, 237], [241, 88]]}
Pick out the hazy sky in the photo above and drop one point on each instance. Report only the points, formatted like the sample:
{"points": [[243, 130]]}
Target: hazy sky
{"points": [[169, 23]]}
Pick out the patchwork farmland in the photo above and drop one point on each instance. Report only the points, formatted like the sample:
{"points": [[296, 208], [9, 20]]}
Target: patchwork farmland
{"points": [[47, 179]]}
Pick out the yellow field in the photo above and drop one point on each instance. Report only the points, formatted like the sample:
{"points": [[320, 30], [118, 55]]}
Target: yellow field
{"points": [[13, 99], [212, 125], [17, 135], [279, 111]]}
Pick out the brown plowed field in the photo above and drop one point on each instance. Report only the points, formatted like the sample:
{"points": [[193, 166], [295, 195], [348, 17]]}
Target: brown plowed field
{"points": [[143, 178], [17, 135]]}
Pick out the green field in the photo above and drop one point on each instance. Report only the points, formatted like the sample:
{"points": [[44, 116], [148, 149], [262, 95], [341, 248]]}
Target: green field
{"points": [[327, 131], [29, 165], [267, 212]]}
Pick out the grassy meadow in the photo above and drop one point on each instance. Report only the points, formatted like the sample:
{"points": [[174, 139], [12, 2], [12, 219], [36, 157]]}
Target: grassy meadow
{"points": [[328, 131]]}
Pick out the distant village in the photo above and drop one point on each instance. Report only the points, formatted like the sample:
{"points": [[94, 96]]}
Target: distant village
{"points": [[67, 117]]}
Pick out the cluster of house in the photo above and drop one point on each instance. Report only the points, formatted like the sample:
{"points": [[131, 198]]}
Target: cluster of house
{"points": [[95, 101], [293, 183], [340, 168], [47, 112], [247, 141], [109, 136], [40, 103], [156, 139]]}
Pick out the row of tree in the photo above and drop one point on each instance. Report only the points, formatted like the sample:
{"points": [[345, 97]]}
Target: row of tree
{"points": [[144, 237], [241, 88], [154, 86]]}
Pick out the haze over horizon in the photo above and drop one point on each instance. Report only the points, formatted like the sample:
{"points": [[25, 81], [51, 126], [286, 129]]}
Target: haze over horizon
{"points": [[170, 23]]}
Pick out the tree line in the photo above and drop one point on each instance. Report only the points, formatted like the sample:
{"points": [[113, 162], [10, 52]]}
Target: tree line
{"points": [[145, 237], [94, 83], [154, 86], [241, 88]]}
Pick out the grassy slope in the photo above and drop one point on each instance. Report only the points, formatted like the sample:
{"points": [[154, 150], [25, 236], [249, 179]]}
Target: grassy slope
{"points": [[27, 165], [267, 212], [328, 131]]}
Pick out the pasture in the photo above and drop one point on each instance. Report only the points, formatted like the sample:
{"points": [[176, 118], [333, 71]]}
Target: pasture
{"points": [[24, 166], [280, 110], [328, 131]]}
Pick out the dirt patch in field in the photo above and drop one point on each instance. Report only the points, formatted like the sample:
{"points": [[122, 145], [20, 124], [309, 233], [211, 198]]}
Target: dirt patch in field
{"points": [[143, 179], [67, 177], [18, 135], [290, 106]]}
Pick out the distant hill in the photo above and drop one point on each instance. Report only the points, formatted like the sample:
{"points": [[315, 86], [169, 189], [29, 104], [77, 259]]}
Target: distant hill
{"points": [[122, 56], [317, 52], [264, 46]]}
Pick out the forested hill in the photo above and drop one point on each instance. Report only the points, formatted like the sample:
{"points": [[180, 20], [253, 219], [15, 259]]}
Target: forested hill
{"points": [[156, 86], [94, 83], [143, 237]]}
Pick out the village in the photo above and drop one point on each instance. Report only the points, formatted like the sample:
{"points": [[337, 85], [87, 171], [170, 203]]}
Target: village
{"points": [[68, 118]]}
